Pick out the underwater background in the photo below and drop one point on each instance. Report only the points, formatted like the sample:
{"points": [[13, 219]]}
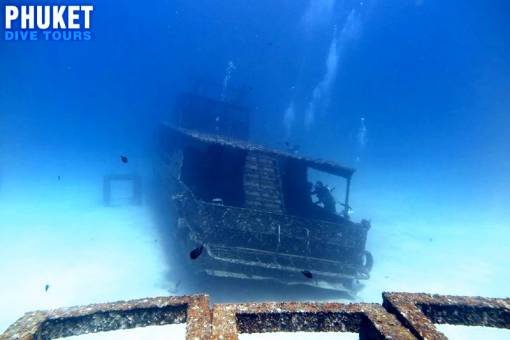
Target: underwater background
{"points": [[414, 94]]}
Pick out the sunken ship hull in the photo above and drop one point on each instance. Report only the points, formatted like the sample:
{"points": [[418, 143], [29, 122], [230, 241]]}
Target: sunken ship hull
{"points": [[250, 244], [250, 209]]}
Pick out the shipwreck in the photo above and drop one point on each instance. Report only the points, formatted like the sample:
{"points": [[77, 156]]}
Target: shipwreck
{"points": [[251, 208]]}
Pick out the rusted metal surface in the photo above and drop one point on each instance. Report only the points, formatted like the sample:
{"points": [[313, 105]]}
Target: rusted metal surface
{"points": [[402, 316], [192, 310], [419, 312], [289, 234], [262, 223], [240, 241], [262, 185], [371, 321], [319, 164]]}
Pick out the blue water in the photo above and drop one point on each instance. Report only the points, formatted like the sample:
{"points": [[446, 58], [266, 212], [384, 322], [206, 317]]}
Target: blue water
{"points": [[414, 94]]}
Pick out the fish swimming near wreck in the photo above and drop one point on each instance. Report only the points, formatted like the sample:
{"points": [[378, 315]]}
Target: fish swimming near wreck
{"points": [[307, 273], [229, 193], [124, 159], [195, 253]]}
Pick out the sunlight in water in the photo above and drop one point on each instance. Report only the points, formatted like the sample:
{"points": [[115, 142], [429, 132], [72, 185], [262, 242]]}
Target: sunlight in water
{"points": [[314, 150]]}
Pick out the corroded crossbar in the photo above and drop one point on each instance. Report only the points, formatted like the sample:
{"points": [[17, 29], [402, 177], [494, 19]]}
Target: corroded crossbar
{"points": [[371, 321], [192, 310], [401, 316], [419, 312]]}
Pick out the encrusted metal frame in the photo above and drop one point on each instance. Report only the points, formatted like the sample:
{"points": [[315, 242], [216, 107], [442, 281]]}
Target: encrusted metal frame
{"points": [[371, 321], [192, 310], [402, 316], [419, 312]]}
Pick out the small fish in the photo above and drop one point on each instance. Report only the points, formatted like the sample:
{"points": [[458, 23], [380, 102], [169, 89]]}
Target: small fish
{"points": [[58, 177], [124, 159], [307, 273], [195, 253], [46, 287]]}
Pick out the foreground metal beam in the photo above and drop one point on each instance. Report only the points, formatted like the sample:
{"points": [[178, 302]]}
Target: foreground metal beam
{"points": [[402, 316], [419, 312], [192, 310], [371, 321]]}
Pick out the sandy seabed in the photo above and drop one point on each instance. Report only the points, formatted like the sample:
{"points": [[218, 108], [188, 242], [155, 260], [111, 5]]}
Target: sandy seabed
{"points": [[87, 253]]}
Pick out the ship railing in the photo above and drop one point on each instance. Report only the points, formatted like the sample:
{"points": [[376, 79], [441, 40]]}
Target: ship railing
{"points": [[284, 262]]}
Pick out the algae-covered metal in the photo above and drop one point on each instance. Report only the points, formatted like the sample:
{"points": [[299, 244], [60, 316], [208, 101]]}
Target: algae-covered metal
{"points": [[252, 210]]}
